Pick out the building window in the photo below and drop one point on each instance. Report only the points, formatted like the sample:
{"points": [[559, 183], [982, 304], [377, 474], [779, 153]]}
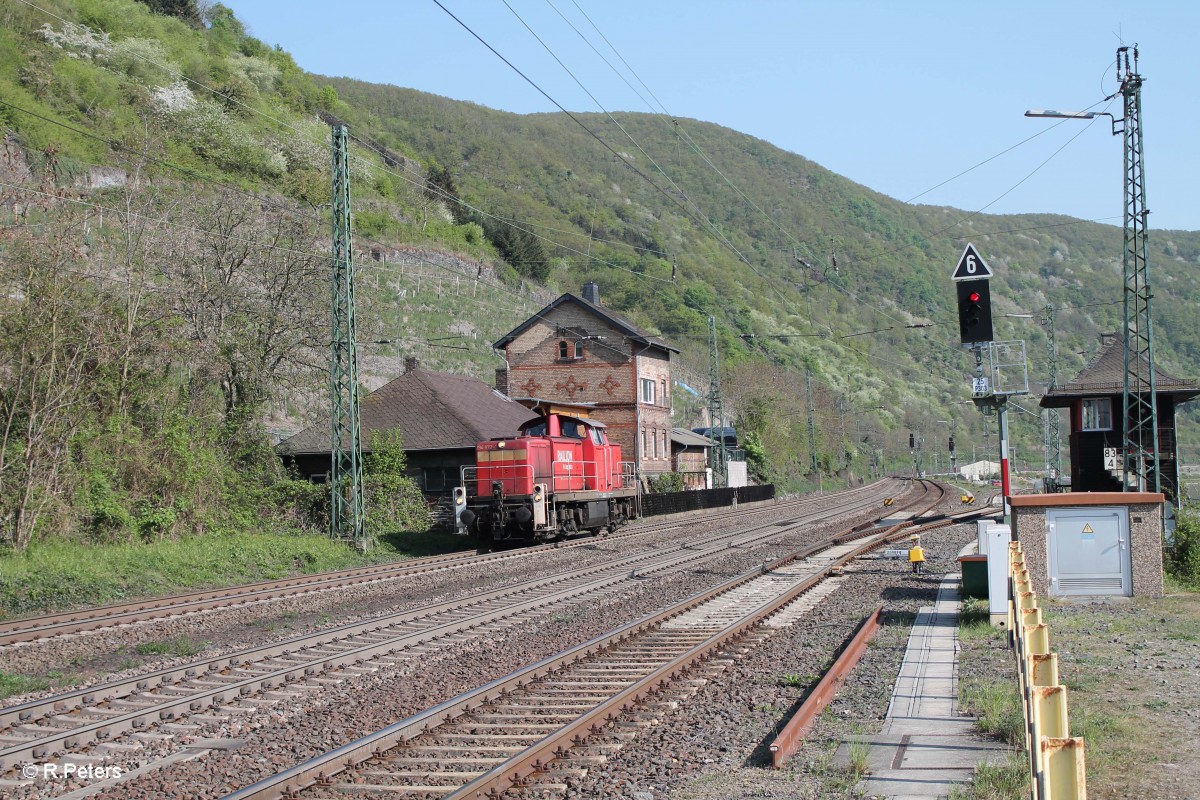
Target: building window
{"points": [[648, 391], [644, 443], [1097, 414], [562, 349], [666, 447], [440, 479], [654, 436], [664, 391], [578, 350]]}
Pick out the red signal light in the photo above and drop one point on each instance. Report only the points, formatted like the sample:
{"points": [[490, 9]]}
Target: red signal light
{"points": [[973, 297]]}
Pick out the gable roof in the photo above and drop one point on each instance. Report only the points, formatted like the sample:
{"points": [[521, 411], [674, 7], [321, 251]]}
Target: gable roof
{"points": [[1105, 375], [685, 438], [433, 410], [624, 326]]}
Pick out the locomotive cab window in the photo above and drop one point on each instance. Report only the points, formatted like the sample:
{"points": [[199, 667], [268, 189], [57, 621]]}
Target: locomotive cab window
{"points": [[536, 429], [572, 428], [597, 436]]}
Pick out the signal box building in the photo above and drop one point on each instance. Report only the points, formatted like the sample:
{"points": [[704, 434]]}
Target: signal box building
{"points": [[576, 351], [1095, 400]]}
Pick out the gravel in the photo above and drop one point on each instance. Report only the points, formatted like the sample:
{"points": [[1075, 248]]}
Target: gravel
{"points": [[294, 729]]}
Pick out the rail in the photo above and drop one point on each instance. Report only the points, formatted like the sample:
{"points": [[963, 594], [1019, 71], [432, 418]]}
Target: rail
{"points": [[1056, 761], [788, 742], [515, 771]]}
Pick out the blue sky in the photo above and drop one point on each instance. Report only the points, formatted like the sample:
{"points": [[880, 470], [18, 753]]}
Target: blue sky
{"points": [[897, 96]]}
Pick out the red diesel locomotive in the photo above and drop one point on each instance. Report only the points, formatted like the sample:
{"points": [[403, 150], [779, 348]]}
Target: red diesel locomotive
{"points": [[558, 477]]}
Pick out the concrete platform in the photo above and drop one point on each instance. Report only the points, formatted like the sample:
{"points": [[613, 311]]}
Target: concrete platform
{"points": [[926, 747]]}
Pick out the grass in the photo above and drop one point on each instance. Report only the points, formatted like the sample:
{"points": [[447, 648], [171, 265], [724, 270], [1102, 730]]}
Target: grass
{"points": [[1009, 781], [176, 646], [11, 684], [20, 684], [991, 694], [860, 749], [59, 574]]}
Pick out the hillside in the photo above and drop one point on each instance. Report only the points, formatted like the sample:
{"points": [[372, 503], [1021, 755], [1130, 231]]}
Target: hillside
{"points": [[166, 178]]}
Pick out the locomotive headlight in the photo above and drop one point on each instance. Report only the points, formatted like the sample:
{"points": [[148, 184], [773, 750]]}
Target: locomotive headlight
{"points": [[500, 445]]}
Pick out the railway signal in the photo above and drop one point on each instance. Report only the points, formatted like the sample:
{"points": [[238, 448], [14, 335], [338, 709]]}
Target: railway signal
{"points": [[971, 276], [974, 311]]}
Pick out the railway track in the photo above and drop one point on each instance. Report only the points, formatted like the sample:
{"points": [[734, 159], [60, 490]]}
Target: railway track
{"points": [[29, 629], [529, 730], [205, 689]]}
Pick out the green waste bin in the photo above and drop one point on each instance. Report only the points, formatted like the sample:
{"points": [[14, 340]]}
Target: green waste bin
{"points": [[974, 576]]}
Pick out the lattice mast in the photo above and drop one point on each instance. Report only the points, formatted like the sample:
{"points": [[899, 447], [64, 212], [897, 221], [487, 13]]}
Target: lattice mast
{"points": [[812, 423], [347, 506], [716, 413], [1141, 403], [1053, 443]]}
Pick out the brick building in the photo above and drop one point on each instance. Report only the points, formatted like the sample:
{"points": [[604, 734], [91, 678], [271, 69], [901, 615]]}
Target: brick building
{"points": [[576, 351]]}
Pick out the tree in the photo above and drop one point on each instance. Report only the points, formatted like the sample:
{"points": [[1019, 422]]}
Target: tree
{"points": [[253, 291], [49, 347], [186, 10]]}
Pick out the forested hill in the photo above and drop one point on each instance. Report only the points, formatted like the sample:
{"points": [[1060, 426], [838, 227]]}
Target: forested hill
{"points": [[168, 175]]}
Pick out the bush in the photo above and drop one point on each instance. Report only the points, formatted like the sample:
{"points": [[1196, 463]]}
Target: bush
{"points": [[393, 500], [1183, 556], [666, 483]]}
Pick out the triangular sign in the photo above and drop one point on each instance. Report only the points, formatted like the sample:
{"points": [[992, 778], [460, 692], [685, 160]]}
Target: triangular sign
{"points": [[971, 266], [1087, 527]]}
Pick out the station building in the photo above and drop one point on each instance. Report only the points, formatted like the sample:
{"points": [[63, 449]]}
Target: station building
{"points": [[576, 351]]}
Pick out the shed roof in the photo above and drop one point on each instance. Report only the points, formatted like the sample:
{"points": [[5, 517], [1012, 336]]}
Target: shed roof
{"points": [[685, 438], [432, 410], [624, 326], [1105, 375]]}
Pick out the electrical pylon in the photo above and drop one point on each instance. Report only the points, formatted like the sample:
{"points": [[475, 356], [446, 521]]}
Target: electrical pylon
{"points": [[1053, 444], [812, 422], [345, 474], [716, 414], [1141, 402]]}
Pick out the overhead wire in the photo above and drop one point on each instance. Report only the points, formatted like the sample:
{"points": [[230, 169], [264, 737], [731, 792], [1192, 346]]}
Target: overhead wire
{"points": [[704, 220], [422, 183], [921, 194], [834, 284], [369, 146]]}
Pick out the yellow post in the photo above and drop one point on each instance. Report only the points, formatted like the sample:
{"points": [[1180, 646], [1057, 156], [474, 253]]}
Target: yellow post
{"points": [[1037, 639], [1043, 669], [1064, 777], [1030, 616], [1050, 712]]}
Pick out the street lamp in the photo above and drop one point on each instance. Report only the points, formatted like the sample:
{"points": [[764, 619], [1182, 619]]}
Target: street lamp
{"points": [[1140, 442], [1046, 113]]}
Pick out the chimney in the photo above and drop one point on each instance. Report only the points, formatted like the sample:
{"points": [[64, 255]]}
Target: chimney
{"points": [[591, 293], [502, 380], [1107, 339], [411, 363]]}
